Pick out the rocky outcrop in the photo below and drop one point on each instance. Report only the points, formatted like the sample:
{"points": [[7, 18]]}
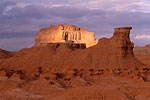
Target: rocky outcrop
{"points": [[121, 42], [114, 52], [63, 33]]}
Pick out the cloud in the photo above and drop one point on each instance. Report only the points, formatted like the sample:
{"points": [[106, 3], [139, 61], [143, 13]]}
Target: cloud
{"points": [[142, 37], [14, 44], [23, 19]]}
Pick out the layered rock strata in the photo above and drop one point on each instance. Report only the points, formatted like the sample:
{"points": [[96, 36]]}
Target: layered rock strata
{"points": [[63, 33], [114, 52]]}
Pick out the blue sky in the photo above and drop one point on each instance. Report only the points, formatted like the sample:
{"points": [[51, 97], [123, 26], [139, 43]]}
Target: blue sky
{"points": [[20, 20]]}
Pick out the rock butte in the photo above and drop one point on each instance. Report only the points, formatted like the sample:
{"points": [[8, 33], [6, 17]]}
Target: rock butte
{"points": [[63, 33]]}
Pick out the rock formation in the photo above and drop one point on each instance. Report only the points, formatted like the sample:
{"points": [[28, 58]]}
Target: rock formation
{"points": [[66, 71], [143, 54], [116, 52], [63, 33]]}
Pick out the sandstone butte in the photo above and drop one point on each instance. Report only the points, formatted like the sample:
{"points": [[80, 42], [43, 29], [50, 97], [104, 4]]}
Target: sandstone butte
{"points": [[115, 52], [63, 33]]}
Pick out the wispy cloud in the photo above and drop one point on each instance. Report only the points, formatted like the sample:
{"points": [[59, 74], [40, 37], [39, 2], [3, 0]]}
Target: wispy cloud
{"points": [[142, 37]]}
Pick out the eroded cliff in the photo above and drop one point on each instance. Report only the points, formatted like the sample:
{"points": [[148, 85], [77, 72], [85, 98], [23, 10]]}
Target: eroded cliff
{"points": [[63, 33], [112, 53]]}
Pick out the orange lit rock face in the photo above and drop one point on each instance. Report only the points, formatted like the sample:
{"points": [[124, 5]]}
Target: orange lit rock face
{"points": [[122, 41], [65, 32]]}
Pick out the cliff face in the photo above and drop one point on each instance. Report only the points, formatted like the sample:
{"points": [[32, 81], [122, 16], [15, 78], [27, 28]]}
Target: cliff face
{"points": [[121, 40], [65, 32]]}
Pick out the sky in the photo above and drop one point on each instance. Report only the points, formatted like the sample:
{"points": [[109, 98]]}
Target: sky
{"points": [[20, 20]]}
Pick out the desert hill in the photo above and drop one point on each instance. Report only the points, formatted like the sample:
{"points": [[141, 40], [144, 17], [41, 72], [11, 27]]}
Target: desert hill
{"points": [[143, 54], [5, 54]]}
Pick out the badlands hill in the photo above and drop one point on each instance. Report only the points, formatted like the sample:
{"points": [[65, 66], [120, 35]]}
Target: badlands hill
{"points": [[5, 54], [143, 54], [68, 70]]}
